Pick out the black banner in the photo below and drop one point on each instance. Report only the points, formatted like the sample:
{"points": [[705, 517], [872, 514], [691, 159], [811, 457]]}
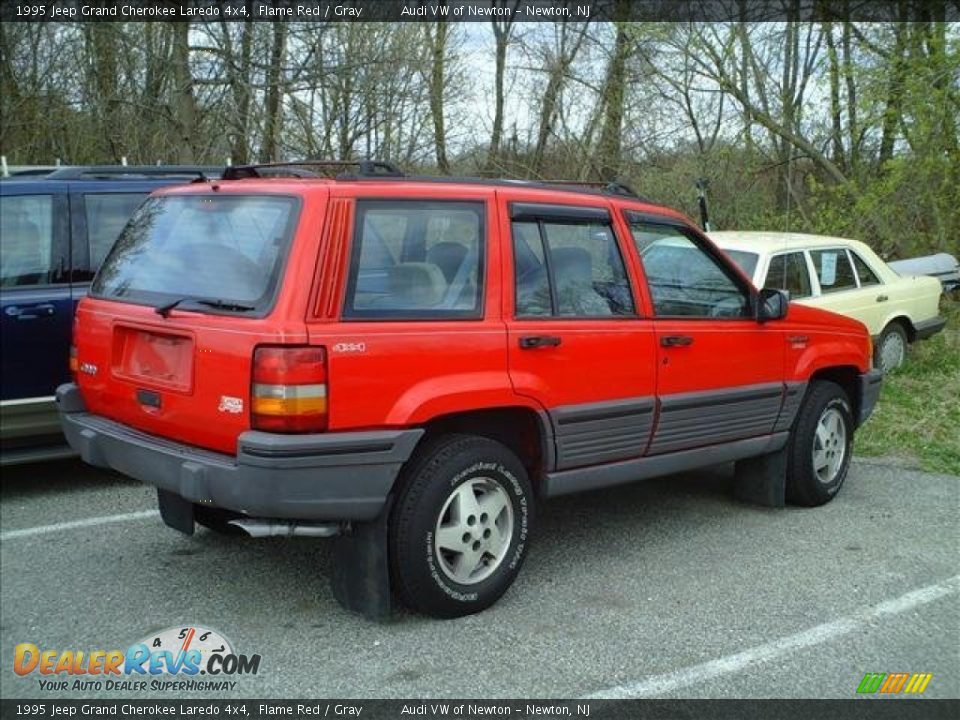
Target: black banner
{"points": [[860, 709], [477, 10]]}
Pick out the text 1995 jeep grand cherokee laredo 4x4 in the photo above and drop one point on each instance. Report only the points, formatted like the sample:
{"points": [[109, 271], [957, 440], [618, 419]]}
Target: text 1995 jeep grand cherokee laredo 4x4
{"points": [[411, 363]]}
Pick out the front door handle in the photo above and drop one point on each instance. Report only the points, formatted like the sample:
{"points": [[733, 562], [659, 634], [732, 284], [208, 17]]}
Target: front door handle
{"points": [[31, 312], [676, 340], [882, 298], [528, 342]]}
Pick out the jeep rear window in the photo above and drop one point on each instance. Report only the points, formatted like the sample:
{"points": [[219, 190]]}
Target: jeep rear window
{"points": [[224, 248]]}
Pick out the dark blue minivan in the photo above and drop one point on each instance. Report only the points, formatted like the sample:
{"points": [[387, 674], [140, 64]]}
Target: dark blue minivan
{"points": [[55, 230]]}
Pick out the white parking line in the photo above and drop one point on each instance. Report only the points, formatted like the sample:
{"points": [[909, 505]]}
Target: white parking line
{"points": [[657, 685], [77, 524]]}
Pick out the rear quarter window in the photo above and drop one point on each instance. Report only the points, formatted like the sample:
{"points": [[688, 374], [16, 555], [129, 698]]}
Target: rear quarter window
{"points": [[416, 259]]}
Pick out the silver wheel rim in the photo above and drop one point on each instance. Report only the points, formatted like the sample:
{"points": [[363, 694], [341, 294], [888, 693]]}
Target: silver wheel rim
{"points": [[892, 352], [829, 446], [474, 530]]}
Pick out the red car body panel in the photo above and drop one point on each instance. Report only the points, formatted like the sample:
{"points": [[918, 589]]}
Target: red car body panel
{"points": [[384, 374]]}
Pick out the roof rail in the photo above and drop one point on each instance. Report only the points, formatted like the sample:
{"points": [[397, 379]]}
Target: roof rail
{"points": [[365, 168], [132, 172], [608, 188]]}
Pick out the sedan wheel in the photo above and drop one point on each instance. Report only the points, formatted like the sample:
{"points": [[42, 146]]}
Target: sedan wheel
{"points": [[892, 348]]}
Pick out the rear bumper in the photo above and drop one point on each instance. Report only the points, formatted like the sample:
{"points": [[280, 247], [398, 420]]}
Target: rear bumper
{"points": [[870, 384], [333, 476], [930, 327]]}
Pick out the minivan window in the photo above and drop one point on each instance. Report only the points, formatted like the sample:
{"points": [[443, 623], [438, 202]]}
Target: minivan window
{"points": [[26, 240], [106, 214], [416, 259], [225, 248]]}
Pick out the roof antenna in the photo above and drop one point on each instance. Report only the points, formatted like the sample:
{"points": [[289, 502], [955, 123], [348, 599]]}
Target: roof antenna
{"points": [[702, 184], [786, 235]]}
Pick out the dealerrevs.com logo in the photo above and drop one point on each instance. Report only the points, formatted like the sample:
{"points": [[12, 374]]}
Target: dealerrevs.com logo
{"points": [[169, 660]]}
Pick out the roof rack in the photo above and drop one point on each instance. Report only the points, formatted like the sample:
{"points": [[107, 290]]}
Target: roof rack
{"points": [[132, 172], [365, 169], [382, 170], [607, 188]]}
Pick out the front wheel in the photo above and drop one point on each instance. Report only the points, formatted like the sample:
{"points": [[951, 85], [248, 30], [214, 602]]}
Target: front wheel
{"points": [[460, 527], [820, 445]]}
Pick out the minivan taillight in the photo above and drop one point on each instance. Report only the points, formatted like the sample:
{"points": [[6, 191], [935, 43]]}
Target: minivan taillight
{"points": [[289, 393]]}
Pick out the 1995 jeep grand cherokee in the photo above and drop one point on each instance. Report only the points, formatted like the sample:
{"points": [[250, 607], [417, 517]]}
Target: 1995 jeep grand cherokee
{"points": [[411, 364]]}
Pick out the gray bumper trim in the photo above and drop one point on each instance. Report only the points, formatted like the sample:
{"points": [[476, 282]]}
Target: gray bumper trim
{"points": [[928, 328], [335, 476], [870, 384]]}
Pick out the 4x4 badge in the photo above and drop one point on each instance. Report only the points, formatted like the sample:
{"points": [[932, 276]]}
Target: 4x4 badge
{"points": [[230, 404]]}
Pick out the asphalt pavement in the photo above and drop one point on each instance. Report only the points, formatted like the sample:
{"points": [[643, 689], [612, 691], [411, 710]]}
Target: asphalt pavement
{"points": [[666, 588]]}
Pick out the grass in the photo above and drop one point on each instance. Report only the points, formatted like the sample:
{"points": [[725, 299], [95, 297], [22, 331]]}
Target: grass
{"points": [[918, 415]]}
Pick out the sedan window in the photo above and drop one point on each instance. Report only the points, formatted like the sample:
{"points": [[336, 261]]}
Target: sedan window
{"points": [[864, 273], [833, 270], [789, 272]]}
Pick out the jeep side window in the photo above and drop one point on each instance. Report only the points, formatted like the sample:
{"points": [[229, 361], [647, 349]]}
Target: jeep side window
{"points": [[569, 270], [789, 272], [415, 259], [684, 279], [833, 270], [26, 241]]}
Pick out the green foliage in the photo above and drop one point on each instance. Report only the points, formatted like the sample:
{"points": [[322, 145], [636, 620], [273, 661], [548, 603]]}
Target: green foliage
{"points": [[918, 415]]}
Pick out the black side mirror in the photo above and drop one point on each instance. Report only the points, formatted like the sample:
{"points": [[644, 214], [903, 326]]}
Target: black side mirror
{"points": [[772, 304]]}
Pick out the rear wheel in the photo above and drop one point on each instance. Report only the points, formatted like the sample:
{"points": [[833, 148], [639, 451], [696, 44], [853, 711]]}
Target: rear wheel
{"points": [[460, 527], [891, 349], [820, 444]]}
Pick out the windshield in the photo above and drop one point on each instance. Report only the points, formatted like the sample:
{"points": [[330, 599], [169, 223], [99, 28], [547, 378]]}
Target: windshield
{"points": [[747, 261], [227, 249]]}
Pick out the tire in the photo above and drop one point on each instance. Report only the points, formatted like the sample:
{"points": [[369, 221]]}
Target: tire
{"points": [[446, 488], [216, 520], [891, 350], [820, 445]]}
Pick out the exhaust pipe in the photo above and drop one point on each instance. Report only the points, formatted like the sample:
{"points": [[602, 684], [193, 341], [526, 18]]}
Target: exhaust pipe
{"points": [[283, 528]]}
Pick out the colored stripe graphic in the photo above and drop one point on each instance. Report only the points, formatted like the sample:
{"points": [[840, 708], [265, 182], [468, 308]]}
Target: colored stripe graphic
{"points": [[894, 683]]}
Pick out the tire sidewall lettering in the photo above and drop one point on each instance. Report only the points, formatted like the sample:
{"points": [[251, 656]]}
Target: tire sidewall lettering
{"points": [[521, 506]]}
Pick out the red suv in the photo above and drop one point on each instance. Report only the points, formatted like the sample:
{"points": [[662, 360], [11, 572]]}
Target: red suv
{"points": [[411, 364]]}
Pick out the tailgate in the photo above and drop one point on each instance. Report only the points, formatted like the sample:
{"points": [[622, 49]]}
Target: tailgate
{"points": [[187, 378]]}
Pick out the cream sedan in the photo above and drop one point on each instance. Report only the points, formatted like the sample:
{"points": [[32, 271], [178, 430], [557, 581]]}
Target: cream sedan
{"points": [[844, 276]]}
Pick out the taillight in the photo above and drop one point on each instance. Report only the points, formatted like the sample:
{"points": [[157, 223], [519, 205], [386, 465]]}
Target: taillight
{"points": [[289, 392], [74, 363]]}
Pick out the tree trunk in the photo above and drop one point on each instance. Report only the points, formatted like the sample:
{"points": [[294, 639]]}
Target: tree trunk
{"points": [[183, 100], [833, 69], [892, 112], [613, 100], [273, 118], [437, 40]]}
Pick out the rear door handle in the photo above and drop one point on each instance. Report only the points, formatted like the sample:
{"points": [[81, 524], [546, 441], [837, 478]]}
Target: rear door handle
{"points": [[882, 298], [31, 312], [528, 342], [676, 340]]}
